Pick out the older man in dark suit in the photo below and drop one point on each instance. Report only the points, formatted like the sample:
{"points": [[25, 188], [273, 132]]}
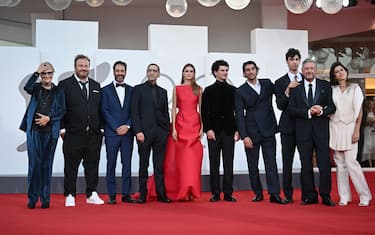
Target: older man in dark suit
{"points": [[115, 107], [283, 86], [311, 104], [257, 126], [150, 118], [220, 127], [83, 137]]}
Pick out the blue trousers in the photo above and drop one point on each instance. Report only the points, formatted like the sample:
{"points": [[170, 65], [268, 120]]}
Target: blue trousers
{"points": [[114, 144], [41, 150]]}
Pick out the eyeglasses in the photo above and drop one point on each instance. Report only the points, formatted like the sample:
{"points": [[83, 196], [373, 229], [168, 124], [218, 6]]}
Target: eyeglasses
{"points": [[46, 74], [152, 70]]}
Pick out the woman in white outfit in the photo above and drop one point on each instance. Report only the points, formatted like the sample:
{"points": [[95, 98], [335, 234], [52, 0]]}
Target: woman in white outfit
{"points": [[344, 135], [369, 134]]}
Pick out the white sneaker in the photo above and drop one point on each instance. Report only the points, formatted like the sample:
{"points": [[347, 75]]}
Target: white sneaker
{"points": [[70, 201], [94, 199]]}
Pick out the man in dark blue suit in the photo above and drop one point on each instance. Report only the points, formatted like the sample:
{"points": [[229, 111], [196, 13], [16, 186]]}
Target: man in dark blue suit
{"points": [[150, 119], [283, 86], [256, 123], [311, 104], [115, 108]]}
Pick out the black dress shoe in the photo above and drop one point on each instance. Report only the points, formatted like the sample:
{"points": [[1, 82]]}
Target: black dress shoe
{"points": [[164, 199], [45, 205], [112, 200], [127, 198], [275, 198], [215, 198], [257, 198], [31, 205], [327, 201], [229, 198], [309, 201], [289, 199], [141, 201]]}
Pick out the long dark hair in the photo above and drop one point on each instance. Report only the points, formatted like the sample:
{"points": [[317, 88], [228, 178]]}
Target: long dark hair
{"points": [[194, 86], [332, 78]]}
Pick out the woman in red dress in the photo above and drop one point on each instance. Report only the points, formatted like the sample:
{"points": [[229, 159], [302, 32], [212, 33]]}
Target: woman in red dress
{"points": [[183, 160], [184, 153]]}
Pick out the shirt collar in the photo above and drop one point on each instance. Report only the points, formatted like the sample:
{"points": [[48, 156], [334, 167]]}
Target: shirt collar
{"points": [[306, 83], [291, 76], [79, 80]]}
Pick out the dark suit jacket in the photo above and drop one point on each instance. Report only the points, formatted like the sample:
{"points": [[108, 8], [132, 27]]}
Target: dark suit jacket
{"points": [[147, 115], [81, 112], [298, 108], [255, 116], [57, 108], [218, 108], [113, 114], [286, 123]]}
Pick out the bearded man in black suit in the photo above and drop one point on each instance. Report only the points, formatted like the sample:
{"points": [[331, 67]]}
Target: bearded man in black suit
{"points": [[83, 137]]}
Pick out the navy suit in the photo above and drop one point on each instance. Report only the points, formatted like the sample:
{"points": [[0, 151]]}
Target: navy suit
{"points": [[114, 116], [313, 133], [287, 134], [149, 113], [41, 145], [256, 119]]}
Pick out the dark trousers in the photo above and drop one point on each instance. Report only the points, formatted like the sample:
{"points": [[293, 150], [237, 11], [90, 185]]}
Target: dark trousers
{"points": [[156, 141], [225, 144], [307, 175], [288, 148], [41, 150], [77, 148], [114, 144], [269, 157]]}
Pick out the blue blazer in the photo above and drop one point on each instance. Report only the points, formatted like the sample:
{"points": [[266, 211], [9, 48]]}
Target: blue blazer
{"points": [[254, 113], [114, 115], [57, 108]]}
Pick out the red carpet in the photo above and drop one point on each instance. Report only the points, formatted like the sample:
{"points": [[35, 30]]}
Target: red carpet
{"points": [[198, 217]]}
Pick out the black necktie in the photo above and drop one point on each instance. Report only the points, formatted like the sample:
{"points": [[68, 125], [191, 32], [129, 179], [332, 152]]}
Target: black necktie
{"points": [[84, 89], [310, 95], [121, 85], [295, 78]]}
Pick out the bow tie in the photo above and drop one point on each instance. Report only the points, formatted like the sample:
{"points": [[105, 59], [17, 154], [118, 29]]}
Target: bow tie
{"points": [[118, 84]]}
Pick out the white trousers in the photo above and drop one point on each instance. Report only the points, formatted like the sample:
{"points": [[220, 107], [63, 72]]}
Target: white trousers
{"points": [[347, 165]]}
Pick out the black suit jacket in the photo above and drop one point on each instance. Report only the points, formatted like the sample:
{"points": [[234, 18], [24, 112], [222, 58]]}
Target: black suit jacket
{"points": [[217, 108], [80, 111], [317, 126], [147, 115], [254, 113], [286, 122]]}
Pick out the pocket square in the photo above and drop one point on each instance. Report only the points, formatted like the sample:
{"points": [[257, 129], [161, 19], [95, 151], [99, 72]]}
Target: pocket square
{"points": [[95, 91]]}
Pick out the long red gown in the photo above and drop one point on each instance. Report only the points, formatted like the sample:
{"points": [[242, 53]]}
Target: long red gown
{"points": [[183, 158]]}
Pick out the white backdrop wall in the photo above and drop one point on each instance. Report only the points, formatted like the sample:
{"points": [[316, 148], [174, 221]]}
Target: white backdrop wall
{"points": [[190, 45]]}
